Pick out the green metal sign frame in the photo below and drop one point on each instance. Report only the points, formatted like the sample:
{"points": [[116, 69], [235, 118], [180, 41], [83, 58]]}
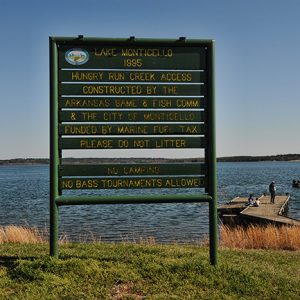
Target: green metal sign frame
{"points": [[58, 117]]}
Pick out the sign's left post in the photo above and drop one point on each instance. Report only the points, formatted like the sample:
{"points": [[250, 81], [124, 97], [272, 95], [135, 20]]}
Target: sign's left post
{"points": [[54, 149]]}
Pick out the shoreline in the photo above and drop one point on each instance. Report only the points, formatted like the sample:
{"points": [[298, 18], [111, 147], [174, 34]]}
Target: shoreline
{"points": [[46, 161]]}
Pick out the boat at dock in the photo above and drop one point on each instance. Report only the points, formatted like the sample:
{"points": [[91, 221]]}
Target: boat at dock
{"points": [[237, 212]]}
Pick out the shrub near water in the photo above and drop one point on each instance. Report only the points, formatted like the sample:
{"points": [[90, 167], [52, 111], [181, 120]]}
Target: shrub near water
{"points": [[252, 237], [259, 237], [19, 234]]}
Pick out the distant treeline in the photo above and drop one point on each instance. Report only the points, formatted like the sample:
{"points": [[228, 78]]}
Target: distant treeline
{"points": [[29, 161], [280, 157]]}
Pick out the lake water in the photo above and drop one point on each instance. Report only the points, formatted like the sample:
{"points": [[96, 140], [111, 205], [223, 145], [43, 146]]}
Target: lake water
{"points": [[24, 200]]}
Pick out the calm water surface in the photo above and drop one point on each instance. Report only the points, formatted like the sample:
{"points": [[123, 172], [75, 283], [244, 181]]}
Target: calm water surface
{"points": [[24, 194]]}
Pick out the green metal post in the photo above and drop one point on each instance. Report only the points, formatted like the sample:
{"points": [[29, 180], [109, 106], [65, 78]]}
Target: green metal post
{"points": [[211, 160], [54, 152]]}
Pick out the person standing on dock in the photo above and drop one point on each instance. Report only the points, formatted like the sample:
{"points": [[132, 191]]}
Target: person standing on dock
{"points": [[272, 190]]}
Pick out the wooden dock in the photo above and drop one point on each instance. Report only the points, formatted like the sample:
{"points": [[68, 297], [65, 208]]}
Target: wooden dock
{"points": [[237, 213]]}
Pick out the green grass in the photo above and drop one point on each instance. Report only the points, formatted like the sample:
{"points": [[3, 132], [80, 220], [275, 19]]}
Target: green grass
{"points": [[131, 271]]}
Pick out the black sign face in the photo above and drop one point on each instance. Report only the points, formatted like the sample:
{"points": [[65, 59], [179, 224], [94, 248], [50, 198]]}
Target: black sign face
{"points": [[132, 95]]}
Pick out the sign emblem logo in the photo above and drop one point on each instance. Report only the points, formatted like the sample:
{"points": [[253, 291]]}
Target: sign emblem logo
{"points": [[77, 56]]}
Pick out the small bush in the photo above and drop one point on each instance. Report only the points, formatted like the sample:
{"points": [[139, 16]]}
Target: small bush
{"points": [[18, 234], [260, 237]]}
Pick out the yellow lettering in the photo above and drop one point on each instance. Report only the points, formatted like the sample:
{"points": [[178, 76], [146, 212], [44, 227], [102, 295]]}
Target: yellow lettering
{"points": [[151, 89], [112, 116], [106, 129], [132, 129], [125, 103], [131, 183], [73, 116], [87, 76], [96, 144], [161, 129], [133, 63], [112, 171], [141, 143], [89, 116], [115, 76], [87, 103], [183, 182], [192, 129], [112, 89], [176, 77], [80, 129], [67, 184], [170, 143], [169, 90], [164, 103], [158, 52], [142, 76], [105, 52], [169, 116], [141, 170], [86, 184], [187, 103]]}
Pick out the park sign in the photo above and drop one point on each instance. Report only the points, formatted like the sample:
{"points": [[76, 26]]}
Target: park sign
{"points": [[119, 94]]}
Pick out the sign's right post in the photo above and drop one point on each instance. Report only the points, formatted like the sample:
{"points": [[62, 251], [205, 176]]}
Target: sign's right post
{"points": [[210, 157]]}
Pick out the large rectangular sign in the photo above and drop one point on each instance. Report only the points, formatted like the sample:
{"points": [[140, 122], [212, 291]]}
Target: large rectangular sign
{"points": [[117, 94]]}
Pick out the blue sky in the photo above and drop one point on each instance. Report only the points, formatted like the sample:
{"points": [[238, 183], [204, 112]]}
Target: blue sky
{"points": [[257, 64]]}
